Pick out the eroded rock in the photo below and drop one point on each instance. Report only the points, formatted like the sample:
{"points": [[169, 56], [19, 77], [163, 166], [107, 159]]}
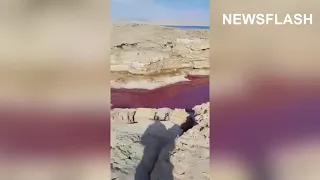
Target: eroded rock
{"points": [[150, 50], [129, 116], [156, 150], [190, 156]]}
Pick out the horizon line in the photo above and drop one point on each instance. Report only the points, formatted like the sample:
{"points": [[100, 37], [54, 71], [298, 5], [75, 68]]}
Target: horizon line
{"points": [[159, 23]]}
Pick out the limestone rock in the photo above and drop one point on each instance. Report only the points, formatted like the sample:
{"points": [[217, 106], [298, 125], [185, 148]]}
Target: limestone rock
{"points": [[144, 114], [178, 116], [151, 50], [163, 114], [158, 144], [190, 156], [156, 150], [139, 144], [123, 115]]}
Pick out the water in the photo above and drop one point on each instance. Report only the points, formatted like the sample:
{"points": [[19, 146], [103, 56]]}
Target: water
{"points": [[179, 95], [190, 27]]}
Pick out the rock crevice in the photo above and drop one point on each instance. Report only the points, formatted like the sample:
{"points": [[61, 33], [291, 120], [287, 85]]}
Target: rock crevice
{"points": [[158, 148]]}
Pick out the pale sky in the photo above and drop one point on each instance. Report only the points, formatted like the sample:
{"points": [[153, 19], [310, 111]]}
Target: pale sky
{"points": [[165, 12]]}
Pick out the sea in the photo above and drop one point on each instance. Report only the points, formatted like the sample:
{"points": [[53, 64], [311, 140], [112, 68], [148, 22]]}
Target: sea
{"points": [[190, 27]]}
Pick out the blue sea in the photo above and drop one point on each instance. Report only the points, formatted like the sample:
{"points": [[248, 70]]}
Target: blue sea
{"points": [[190, 27]]}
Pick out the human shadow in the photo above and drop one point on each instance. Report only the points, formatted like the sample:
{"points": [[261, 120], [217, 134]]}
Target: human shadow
{"points": [[158, 142]]}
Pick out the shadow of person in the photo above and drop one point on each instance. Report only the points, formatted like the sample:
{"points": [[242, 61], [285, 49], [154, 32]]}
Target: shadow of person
{"points": [[163, 169], [157, 141]]}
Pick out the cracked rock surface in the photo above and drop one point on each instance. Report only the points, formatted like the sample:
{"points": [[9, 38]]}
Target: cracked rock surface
{"points": [[150, 145], [148, 55]]}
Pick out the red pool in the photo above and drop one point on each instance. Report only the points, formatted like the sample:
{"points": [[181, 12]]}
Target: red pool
{"points": [[179, 95]]}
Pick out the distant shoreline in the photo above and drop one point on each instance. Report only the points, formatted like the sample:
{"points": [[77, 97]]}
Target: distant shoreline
{"points": [[189, 27], [161, 24]]}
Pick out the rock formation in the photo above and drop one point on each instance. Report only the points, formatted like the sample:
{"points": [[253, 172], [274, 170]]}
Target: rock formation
{"points": [[162, 143], [153, 146], [148, 56]]}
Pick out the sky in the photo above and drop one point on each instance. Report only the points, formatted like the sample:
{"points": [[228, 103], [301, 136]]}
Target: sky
{"points": [[164, 12]]}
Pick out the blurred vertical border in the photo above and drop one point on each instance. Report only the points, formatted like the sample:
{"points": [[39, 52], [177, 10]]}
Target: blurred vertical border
{"points": [[265, 94], [54, 89]]}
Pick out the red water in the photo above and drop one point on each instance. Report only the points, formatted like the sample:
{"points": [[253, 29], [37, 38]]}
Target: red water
{"points": [[32, 132], [179, 95]]}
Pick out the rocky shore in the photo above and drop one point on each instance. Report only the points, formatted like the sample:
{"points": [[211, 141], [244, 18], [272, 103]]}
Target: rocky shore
{"points": [[148, 56], [158, 143]]}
